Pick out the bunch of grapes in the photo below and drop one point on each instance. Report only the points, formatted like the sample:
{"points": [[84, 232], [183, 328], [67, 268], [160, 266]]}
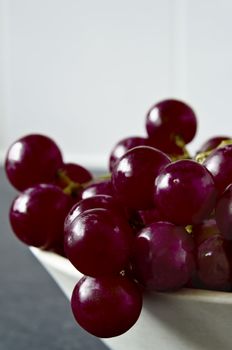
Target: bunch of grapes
{"points": [[161, 220]]}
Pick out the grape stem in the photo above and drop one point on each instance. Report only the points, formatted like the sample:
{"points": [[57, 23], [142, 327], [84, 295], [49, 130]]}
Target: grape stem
{"points": [[180, 143], [189, 228], [201, 157], [72, 187], [104, 177]]}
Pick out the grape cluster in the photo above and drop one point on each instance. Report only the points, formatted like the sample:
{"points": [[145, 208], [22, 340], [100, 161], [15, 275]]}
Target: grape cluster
{"points": [[160, 220]]}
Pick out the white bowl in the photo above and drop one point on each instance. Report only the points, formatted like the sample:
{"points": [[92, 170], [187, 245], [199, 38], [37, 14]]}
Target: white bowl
{"points": [[185, 320]]}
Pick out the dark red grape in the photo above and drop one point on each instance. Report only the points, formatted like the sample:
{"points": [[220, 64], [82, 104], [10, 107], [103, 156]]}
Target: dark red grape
{"points": [[37, 215], [107, 306], [163, 256], [212, 143], [98, 242], [31, 160], [98, 187], [123, 146], [168, 121], [98, 201], [134, 174], [185, 192], [213, 266], [219, 164], [224, 213]]}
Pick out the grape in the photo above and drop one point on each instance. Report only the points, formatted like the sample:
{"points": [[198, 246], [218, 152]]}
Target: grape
{"points": [[224, 213], [31, 160], [185, 192], [127, 233], [98, 242], [163, 257], [134, 175], [74, 172], [212, 143], [168, 120], [98, 201], [219, 163], [37, 215], [98, 187], [106, 306], [123, 146], [213, 266]]}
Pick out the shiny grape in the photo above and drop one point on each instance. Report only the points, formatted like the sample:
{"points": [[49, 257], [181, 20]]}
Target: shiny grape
{"points": [[106, 306], [219, 164], [134, 175], [99, 242], [123, 146], [32, 160], [163, 257], [170, 121], [185, 192], [37, 216]]}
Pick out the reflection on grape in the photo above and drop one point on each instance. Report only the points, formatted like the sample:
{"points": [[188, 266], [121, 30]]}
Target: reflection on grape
{"points": [[32, 160], [185, 192], [163, 256], [134, 175], [106, 306], [37, 215]]}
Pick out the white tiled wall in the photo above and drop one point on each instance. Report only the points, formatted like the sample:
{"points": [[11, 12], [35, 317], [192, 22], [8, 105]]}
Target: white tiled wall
{"points": [[85, 72]]}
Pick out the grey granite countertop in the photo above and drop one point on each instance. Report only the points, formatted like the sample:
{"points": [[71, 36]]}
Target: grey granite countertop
{"points": [[34, 314]]}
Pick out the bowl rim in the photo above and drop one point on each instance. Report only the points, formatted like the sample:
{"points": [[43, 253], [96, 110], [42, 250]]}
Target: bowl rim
{"points": [[64, 266]]}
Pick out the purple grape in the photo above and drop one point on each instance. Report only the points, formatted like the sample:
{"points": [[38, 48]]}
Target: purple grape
{"points": [[212, 143], [224, 213], [98, 242], [37, 215], [98, 201], [98, 187], [31, 160], [213, 266], [134, 175], [74, 172], [168, 120], [185, 192], [106, 306], [163, 256], [123, 146], [219, 164]]}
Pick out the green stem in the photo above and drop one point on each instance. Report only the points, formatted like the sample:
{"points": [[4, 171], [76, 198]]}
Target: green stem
{"points": [[189, 229], [104, 177], [180, 143], [72, 187], [201, 157]]}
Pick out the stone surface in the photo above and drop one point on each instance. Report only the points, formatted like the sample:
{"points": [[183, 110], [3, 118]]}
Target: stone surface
{"points": [[34, 314]]}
